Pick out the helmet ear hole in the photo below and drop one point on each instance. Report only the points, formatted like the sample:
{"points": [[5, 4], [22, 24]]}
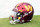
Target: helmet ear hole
{"points": [[22, 8]]}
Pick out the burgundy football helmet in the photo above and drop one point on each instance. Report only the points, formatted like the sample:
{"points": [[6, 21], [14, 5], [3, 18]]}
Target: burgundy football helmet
{"points": [[24, 11]]}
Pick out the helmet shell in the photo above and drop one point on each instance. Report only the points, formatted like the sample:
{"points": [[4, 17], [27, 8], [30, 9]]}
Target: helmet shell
{"points": [[26, 11]]}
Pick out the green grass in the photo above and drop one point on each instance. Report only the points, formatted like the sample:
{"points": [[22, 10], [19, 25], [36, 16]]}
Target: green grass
{"points": [[4, 22]]}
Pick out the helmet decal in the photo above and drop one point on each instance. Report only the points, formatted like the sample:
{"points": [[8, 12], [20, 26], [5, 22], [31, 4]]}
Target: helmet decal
{"points": [[26, 7], [31, 8], [23, 7]]}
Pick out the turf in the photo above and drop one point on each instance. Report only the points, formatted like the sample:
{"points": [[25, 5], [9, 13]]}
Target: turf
{"points": [[4, 22]]}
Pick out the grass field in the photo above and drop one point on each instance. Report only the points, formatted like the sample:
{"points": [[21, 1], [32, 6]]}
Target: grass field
{"points": [[4, 22]]}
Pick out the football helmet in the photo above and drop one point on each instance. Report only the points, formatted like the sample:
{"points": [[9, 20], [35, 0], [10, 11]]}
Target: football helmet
{"points": [[24, 12]]}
